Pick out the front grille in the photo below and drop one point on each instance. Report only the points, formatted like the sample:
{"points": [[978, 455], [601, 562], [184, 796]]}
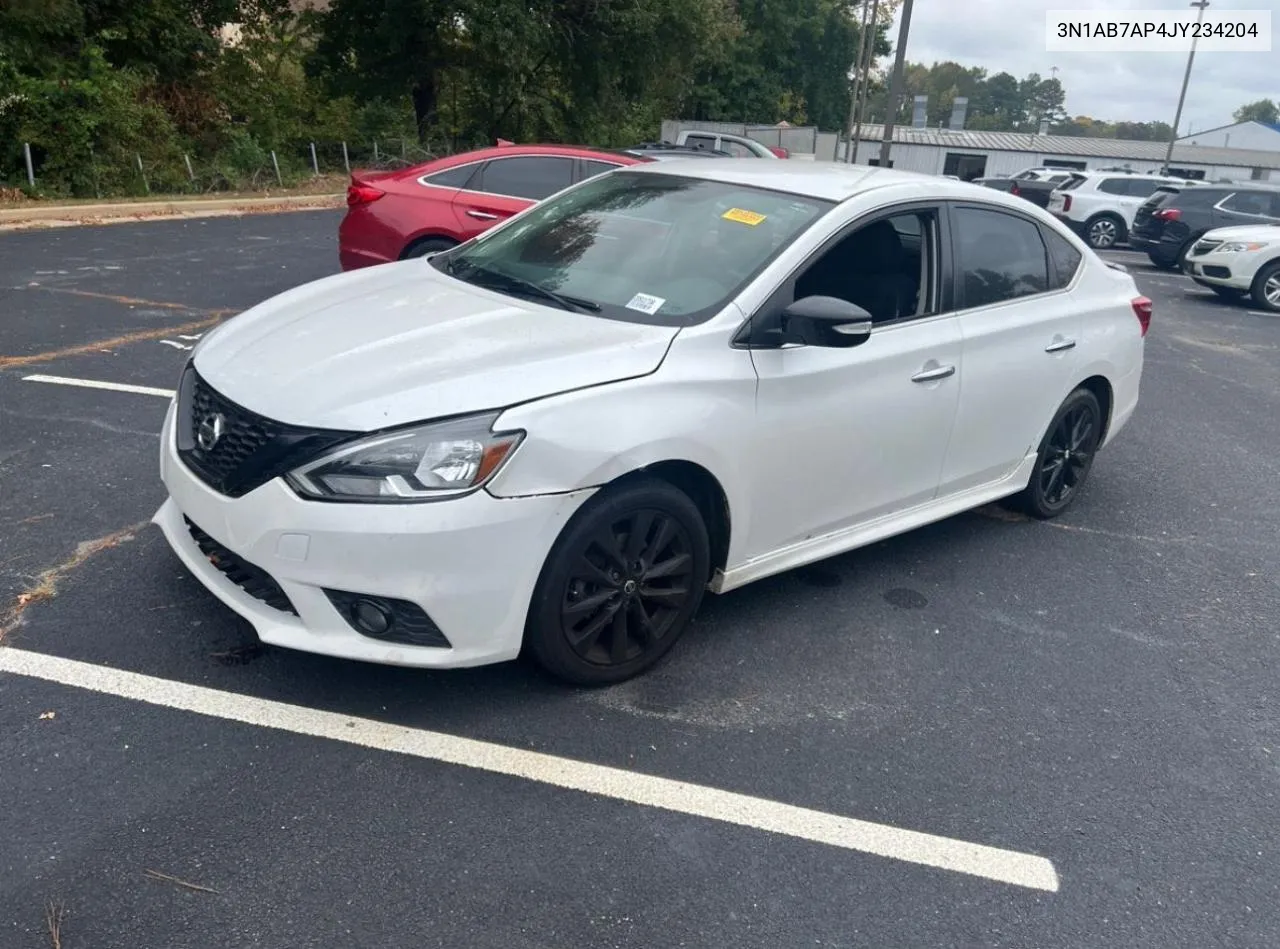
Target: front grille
{"points": [[1203, 247], [243, 434], [241, 449], [248, 577], [410, 625]]}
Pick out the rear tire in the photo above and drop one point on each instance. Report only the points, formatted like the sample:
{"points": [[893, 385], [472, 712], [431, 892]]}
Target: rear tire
{"points": [[621, 583], [1105, 232], [429, 245], [1065, 457], [1266, 288]]}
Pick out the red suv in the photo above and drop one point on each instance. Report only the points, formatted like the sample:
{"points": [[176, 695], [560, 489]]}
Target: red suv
{"points": [[414, 211]]}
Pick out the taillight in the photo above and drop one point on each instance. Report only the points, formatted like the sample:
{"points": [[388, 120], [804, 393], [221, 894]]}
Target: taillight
{"points": [[362, 194], [1066, 203], [1142, 310], [1015, 190], [1168, 214]]}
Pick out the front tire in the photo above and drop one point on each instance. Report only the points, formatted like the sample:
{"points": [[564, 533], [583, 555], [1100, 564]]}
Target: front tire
{"points": [[1266, 288], [621, 584], [1065, 458]]}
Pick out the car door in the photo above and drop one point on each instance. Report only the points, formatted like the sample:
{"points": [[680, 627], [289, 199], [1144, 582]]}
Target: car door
{"points": [[849, 435], [506, 186], [1020, 325]]}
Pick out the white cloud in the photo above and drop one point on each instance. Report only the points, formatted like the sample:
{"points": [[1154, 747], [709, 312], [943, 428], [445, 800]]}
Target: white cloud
{"points": [[1009, 36]]}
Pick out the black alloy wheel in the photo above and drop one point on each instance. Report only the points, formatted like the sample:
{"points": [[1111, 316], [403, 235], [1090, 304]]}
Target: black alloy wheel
{"points": [[1066, 457], [620, 585]]}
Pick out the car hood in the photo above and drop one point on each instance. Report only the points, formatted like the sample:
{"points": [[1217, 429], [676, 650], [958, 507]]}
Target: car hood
{"points": [[1246, 232], [402, 342]]}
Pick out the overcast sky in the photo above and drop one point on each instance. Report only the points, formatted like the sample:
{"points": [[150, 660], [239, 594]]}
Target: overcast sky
{"points": [[1008, 36]]}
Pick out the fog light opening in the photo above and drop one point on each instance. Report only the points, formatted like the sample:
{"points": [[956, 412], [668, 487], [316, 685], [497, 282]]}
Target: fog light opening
{"points": [[370, 617]]}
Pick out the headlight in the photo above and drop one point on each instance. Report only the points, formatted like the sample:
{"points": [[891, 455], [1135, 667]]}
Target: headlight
{"points": [[1237, 247], [423, 463]]}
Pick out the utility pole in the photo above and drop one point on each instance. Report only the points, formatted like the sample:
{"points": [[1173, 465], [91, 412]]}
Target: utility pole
{"points": [[895, 89], [867, 60], [856, 87], [1186, 77]]}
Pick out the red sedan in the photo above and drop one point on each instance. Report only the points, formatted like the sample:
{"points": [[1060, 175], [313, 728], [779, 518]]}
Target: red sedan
{"points": [[415, 211]]}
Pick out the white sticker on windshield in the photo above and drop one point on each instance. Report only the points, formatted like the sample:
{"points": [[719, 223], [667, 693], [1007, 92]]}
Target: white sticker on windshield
{"points": [[646, 303]]}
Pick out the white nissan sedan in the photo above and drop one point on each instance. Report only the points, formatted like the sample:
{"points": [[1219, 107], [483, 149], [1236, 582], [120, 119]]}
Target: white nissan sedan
{"points": [[665, 380]]}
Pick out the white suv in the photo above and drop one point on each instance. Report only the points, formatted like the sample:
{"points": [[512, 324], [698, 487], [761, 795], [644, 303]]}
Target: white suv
{"points": [[1235, 261], [1100, 206]]}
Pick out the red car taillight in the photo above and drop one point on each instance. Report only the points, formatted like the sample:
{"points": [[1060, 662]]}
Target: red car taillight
{"points": [[1142, 310], [1066, 203], [779, 151], [1168, 214], [1015, 190], [362, 194]]}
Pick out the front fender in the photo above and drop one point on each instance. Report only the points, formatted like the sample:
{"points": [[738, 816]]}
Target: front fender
{"points": [[699, 410]]}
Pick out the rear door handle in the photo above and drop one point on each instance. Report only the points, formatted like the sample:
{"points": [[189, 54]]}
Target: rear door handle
{"points": [[1060, 346], [482, 215], [934, 374]]}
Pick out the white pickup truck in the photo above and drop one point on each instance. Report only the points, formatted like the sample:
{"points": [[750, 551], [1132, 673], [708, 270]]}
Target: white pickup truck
{"points": [[736, 145]]}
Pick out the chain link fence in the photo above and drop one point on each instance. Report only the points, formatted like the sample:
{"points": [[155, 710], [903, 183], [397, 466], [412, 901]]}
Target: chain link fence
{"points": [[242, 165]]}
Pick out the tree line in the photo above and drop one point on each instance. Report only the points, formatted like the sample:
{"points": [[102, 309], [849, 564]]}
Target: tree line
{"points": [[102, 89]]}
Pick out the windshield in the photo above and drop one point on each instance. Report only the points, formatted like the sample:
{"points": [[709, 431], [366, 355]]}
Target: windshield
{"points": [[642, 247]]}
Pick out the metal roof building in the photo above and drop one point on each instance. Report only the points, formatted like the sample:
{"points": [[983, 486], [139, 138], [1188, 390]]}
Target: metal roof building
{"points": [[941, 151], [971, 154]]}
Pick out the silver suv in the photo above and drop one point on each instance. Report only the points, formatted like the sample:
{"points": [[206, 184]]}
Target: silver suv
{"points": [[1100, 206]]}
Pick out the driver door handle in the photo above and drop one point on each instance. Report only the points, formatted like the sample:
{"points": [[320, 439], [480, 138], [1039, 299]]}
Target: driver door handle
{"points": [[934, 374], [1060, 345], [482, 215]]}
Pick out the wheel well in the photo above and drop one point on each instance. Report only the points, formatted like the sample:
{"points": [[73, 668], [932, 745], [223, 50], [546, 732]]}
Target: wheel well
{"points": [[422, 239], [1101, 390], [705, 491]]}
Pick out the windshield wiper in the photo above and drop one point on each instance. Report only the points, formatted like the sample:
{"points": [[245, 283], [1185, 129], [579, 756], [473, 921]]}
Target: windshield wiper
{"points": [[498, 280]]}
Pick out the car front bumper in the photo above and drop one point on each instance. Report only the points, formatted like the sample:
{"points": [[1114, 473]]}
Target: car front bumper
{"points": [[470, 563], [1220, 270]]}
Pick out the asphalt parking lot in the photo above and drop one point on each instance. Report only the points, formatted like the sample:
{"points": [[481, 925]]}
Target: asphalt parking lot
{"points": [[1095, 696]]}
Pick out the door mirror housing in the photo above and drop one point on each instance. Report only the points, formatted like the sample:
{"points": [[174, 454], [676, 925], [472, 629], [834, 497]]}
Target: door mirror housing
{"points": [[826, 321]]}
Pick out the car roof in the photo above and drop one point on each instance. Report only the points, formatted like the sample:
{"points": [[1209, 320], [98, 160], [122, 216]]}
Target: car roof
{"points": [[825, 180]]}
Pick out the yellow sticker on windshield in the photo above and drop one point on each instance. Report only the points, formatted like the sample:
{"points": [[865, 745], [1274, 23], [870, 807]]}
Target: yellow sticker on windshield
{"points": [[743, 217]]}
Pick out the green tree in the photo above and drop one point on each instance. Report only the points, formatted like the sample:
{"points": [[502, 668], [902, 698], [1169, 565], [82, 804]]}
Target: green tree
{"points": [[1264, 110]]}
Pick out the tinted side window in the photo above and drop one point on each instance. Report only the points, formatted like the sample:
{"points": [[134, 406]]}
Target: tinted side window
{"points": [[453, 177], [1064, 260], [533, 177], [886, 267], [999, 257], [700, 141], [591, 168], [1248, 202], [1114, 186]]}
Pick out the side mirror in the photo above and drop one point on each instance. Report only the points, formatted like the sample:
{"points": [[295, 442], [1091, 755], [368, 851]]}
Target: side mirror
{"points": [[826, 321]]}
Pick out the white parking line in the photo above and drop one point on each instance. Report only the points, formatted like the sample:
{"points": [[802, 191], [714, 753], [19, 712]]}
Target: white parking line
{"points": [[95, 384], [1006, 866]]}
